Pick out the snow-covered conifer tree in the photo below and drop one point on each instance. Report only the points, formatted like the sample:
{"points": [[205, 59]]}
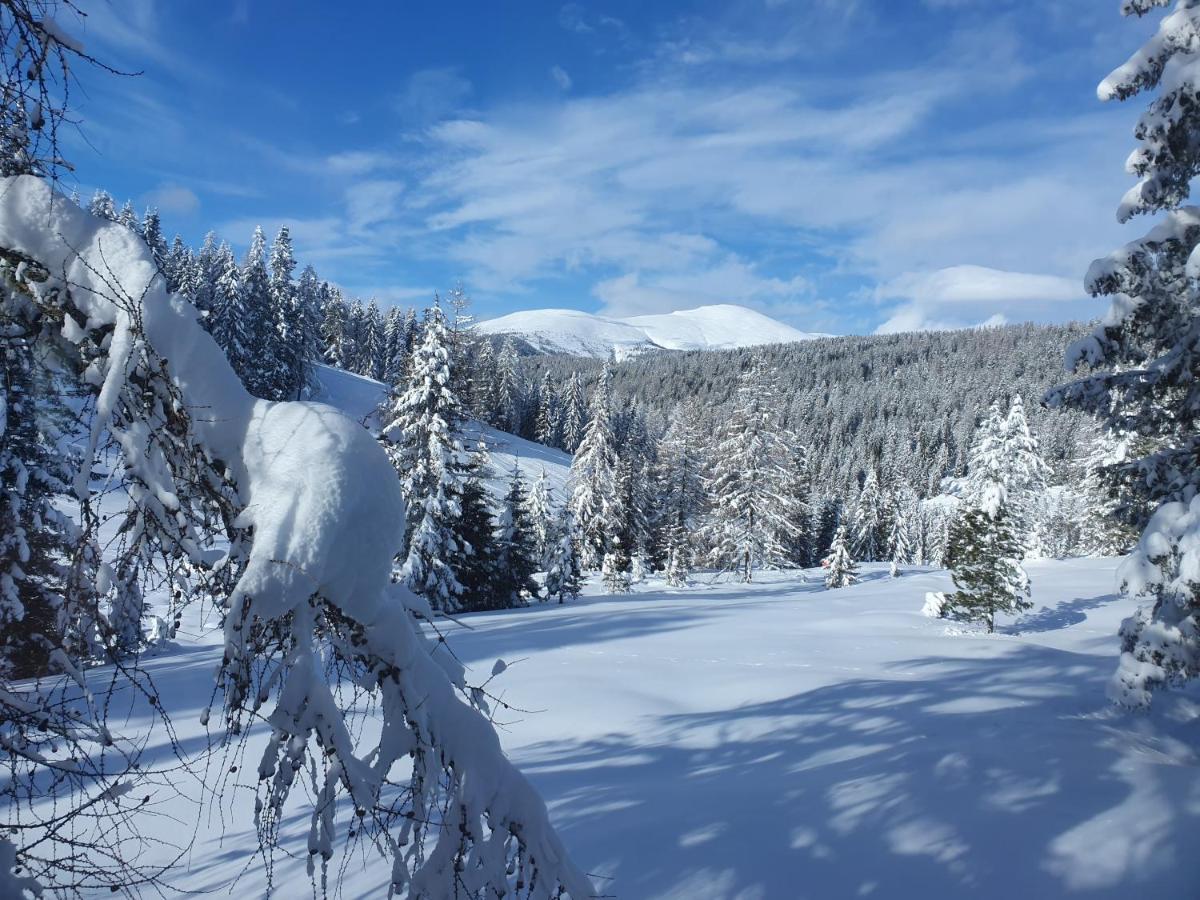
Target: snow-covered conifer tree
{"points": [[333, 331], [424, 420], [986, 568], [229, 319], [1144, 357], [262, 352], [475, 566], [574, 415], [541, 518], [549, 425], [751, 523], [516, 560], [870, 521], [840, 568], [564, 577], [594, 487]]}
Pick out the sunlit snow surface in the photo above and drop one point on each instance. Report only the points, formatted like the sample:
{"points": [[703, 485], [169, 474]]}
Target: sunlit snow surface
{"points": [[783, 741]]}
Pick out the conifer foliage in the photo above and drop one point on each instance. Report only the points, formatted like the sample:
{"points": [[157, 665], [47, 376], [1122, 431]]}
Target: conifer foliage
{"points": [[424, 420], [753, 517], [1142, 363], [840, 568]]}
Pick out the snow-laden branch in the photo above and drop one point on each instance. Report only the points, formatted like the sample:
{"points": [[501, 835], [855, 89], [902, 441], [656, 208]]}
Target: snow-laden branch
{"points": [[323, 510]]}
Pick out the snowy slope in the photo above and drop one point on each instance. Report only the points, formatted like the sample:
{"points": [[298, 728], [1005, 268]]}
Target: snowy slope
{"points": [[777, 741], [359, 398], [576, 333]]}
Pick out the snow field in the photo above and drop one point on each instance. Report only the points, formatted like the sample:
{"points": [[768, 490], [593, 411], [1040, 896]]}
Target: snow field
{"points": [[778, 740]]}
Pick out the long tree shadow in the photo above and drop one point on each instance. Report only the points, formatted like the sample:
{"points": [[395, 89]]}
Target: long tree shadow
{"points": [[982, 778], [1063, 615]]}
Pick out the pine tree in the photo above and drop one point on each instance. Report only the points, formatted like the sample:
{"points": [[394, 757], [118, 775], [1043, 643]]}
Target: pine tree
{"points": [[752, 520], [475, 566], [901, 540], [290, 341], [102, 205], [151, 232], [333, 332], [541, 519], [564, 578], [681, 491], [594, 492], [424, 419], [986, 571], [128, 217], [230, 321], [515, 556], [372, 344], [305, 348], [574, 415], [395, 349], [840, 568], [549, 424], [1028, 473], [506, 414], [262, 353], [799, 493], [679, 557], [870, 522], [1144, 358]]}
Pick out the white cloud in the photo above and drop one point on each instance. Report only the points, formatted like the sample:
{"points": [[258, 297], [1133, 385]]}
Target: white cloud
{"points": [[371, 202], [966, 295], [432, 94], [173, 198], [561, 78]]}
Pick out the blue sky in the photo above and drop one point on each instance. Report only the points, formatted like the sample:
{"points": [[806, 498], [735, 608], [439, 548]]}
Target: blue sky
{"points": [[843, 166]]}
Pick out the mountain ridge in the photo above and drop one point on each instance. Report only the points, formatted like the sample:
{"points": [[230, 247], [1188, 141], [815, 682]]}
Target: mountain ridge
{"points": [[573, 332]]}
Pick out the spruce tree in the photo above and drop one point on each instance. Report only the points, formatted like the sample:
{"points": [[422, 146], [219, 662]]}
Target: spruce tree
{"points": [[986, 570], [548, 429], [259, 364], [515, 557], [594, 478], [1143, 359], [574, 415], [840, 568], [564, 578], [289, 340], [476, 566], [870, 521], [333, 332], [752, 518], [541, 518], [229, 318], [424, 420]]}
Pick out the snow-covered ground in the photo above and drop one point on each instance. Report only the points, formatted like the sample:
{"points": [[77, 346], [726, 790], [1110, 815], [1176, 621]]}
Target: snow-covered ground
{"points": [[359, 398], [779, 740], [717, 327]]}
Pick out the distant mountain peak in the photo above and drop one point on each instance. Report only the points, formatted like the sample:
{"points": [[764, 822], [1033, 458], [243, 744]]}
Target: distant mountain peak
{"points": [[721, 326]]}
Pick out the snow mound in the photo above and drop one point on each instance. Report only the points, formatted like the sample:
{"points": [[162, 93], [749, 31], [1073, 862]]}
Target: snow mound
{"points": [[570, 331]]}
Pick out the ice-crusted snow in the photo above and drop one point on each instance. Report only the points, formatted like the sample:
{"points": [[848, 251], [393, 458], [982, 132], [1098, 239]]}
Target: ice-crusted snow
{"points": [[717, 327]]}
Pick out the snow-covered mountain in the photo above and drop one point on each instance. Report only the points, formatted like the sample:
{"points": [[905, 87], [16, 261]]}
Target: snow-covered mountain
{"points": [[576, 333]]}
